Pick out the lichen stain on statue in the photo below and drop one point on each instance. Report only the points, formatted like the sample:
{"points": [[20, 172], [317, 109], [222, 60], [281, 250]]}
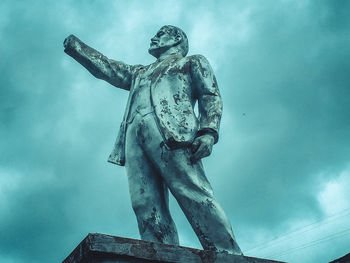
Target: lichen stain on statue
{"points": [[161, 141]]}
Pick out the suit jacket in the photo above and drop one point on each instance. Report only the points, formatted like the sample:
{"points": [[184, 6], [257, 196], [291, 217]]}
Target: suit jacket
{"points": [[177, 83]]}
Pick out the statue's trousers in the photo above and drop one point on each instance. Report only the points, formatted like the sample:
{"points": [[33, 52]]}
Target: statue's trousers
{"points": [[152, 169]]}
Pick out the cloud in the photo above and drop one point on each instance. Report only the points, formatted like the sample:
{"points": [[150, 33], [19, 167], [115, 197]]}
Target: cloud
{"points": [[283, 154], [304, 237]]}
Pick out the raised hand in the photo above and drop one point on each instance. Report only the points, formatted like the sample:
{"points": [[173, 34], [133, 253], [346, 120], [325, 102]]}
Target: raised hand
{"points": [[68, 41]]}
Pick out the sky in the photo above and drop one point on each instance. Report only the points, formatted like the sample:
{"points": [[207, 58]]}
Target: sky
{"points": [[281, 169]]}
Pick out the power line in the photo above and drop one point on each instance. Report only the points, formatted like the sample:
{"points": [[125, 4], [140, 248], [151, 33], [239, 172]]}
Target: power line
{"points": [[313, 243], [316, 224]]}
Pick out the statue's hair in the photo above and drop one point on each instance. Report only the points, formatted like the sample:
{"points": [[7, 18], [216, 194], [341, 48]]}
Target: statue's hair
{"points": [[175, 31]]}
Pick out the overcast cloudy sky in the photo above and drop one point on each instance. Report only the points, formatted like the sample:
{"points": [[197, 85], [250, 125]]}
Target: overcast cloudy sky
{"points": [[281, 169]]}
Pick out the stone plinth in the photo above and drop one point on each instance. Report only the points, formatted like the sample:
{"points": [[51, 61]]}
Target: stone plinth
{"points": [[344, 259], [100, 248]]}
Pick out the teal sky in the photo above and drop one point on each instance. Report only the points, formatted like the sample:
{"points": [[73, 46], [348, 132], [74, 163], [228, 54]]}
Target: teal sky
{"points": [[281, 169]]}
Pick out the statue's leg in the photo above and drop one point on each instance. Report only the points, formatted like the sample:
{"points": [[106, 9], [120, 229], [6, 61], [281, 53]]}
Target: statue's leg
{"points": [[149, 194], [189, 185]]}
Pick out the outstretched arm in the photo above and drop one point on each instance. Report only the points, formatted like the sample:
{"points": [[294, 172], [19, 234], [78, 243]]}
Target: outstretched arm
{"points": [[114, 72], [209, 107]]}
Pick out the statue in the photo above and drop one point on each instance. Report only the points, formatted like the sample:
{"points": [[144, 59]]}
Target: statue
{"points": [[161, 141]]}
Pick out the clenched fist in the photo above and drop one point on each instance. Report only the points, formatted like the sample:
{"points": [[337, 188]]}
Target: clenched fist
{"points": [[202, 147]]}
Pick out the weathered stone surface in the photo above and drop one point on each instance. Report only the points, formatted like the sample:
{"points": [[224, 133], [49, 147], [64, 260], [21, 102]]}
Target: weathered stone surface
{"points": [[162, 140], [100, 248]]}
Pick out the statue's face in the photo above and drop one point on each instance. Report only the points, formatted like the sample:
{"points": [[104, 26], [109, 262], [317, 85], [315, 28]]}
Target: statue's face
{"points": [[161, 42]]}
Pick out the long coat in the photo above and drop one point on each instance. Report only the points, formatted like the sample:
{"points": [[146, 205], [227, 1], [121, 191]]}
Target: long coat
{"points": [[176, 84]]}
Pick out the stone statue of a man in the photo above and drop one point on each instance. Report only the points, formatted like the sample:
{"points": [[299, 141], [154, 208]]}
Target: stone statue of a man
{"points": [[161, 140]]}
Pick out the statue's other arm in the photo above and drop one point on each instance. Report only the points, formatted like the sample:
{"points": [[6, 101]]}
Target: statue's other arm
{"points": [[114, 72], [208, 95]]}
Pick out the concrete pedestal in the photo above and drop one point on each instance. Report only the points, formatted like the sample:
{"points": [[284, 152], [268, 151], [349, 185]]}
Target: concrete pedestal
{"points": [[344, 259], [100, 248]]}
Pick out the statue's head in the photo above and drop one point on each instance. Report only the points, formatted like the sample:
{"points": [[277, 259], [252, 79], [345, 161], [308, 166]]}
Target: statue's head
{"points": [[168, 37]]}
